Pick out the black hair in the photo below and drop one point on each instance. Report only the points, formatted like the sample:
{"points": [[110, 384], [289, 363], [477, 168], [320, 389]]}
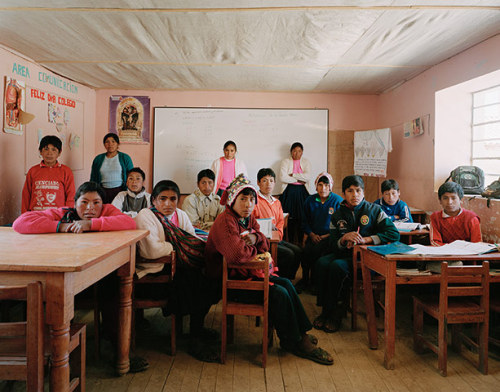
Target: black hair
{"points": [[267, 171], [387, 185], [137, 170], [51, 139], [229, 143], [352, 180], [248, 191], [89, 186], [324, 180], [206, 173], [113, 135], [451, 187], [165, 185], [297, 144]]}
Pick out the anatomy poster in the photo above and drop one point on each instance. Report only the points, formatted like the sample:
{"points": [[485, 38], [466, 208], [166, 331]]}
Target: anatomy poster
{"points": [[370, 152], [14, 106], [129, 118]]}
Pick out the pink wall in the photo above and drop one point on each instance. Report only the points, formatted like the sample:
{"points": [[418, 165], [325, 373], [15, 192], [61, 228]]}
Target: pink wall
{"points": [[12, 147], [412, 161], [346, 112]]}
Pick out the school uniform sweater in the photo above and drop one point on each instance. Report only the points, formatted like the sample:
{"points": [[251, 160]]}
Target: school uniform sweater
{"points": [[270, 209], [368, 218], [445, 229], [131, 203], [286, 168], [48, 187], [317, 215], [225, 240], [399, 209], [48, 221]]}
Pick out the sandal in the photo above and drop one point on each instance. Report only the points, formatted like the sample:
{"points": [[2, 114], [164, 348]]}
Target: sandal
{"points": [[332, 325], [313, 339], [203, 352], [138, 364], [319, 322], [317, 355]]}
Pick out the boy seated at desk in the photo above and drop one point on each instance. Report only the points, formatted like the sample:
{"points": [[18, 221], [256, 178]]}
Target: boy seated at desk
{"points": [[135, 198], [453, 222], [318, 211], [356, 222], [395, 208], [289, 255], [203, 205]]}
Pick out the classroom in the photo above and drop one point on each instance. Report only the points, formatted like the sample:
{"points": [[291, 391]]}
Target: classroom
{"points": [[363, 87]]}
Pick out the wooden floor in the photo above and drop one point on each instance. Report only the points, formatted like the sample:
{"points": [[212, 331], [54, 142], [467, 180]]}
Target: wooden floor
{"points": [[356, 368]]}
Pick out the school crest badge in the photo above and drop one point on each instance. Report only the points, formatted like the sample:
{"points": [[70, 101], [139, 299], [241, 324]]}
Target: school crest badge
{"points": [[330, 211], [364, 220]]}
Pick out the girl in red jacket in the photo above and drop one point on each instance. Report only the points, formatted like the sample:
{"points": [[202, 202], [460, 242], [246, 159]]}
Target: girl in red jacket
{"points": [[89, 214]]}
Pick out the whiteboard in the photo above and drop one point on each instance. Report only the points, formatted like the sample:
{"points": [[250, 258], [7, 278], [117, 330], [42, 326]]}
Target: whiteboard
{"points": [[187, 140]]}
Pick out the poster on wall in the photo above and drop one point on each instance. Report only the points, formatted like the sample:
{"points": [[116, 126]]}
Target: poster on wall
{"points": [[415, 127], [14, 106], [56, 115], [129, 118], [370, 152]]}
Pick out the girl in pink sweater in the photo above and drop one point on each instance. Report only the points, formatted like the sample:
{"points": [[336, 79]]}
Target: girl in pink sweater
{"points": [[89, 214]]}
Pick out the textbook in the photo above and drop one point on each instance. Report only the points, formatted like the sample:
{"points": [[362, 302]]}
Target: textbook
{"points": [[409, 226], [393, 248], [459, 247]]}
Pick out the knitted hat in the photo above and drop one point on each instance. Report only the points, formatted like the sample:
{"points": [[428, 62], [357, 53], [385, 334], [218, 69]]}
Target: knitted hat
{"points": [[324, 174], [233, 190]]}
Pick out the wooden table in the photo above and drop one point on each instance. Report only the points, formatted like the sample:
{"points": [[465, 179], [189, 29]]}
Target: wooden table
{"points": [[66, 264], [418, 215], [386, 266], [410, 234]]}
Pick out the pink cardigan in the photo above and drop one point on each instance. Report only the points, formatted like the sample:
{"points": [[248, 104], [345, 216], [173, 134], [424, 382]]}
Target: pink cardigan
{"points": [[47, 221]]}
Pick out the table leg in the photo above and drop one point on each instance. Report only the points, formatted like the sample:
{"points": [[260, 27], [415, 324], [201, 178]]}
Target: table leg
{"points": [[390, 315], [124, 325], [59, 373], [371, 321]]}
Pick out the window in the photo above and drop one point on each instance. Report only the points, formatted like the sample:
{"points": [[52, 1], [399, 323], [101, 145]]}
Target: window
{"points": [[485, 139]]}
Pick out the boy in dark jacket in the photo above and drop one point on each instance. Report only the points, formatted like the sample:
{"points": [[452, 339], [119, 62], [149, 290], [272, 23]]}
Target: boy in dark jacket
{"points": [[356, 222]]}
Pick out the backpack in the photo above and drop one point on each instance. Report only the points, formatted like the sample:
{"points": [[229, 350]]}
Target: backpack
{"points": [[471, 178], [492, 191]]}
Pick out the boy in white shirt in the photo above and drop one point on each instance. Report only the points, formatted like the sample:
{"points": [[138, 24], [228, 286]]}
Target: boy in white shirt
{"points": [[135, 198]]}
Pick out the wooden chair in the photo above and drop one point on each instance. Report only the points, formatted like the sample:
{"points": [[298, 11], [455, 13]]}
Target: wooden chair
{"points": [[494, 308], [165, 278], [23, 352], [454, 306], [231, 308], [357, 285]]}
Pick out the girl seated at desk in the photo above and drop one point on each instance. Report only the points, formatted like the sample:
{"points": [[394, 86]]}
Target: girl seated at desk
{"points": [[170, 229], [89, 214], [235, 235]]}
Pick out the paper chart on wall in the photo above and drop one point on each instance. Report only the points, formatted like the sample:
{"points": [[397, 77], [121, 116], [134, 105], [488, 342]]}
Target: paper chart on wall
{"points": [[370, 152]]}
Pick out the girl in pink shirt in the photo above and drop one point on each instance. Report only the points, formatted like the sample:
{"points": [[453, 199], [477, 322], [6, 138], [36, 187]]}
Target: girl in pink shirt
{"points": [[226, 168]]}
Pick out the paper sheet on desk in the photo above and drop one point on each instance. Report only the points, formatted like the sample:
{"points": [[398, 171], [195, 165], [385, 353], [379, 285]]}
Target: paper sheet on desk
{"points": [[455, 248]]}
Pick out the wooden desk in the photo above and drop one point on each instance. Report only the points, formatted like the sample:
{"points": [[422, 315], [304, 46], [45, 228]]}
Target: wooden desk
{"points": [[66, 264], [410, 234], [274, 240], [419, 216], [386, 266]]}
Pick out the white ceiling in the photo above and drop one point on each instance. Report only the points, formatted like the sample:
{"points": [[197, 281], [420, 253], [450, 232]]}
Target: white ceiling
{"points": [[352, 46]]}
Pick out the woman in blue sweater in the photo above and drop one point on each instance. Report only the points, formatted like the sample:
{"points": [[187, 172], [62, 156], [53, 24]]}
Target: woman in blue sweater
{"points": [[110, 168]]}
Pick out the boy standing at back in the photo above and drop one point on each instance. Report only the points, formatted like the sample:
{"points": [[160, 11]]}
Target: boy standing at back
{"points": [[356, 222], [391, 204], [49, 184], [135, 198], [203, 205], [289, 254], [453, 222]]}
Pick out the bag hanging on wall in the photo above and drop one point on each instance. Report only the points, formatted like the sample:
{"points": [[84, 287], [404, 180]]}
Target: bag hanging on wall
{"points": [[471, 178], [492, 191]]}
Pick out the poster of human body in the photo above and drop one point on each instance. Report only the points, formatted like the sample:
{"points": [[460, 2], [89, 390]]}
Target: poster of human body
{"points": [[129, 118], [370, 152], [14, 105]]}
